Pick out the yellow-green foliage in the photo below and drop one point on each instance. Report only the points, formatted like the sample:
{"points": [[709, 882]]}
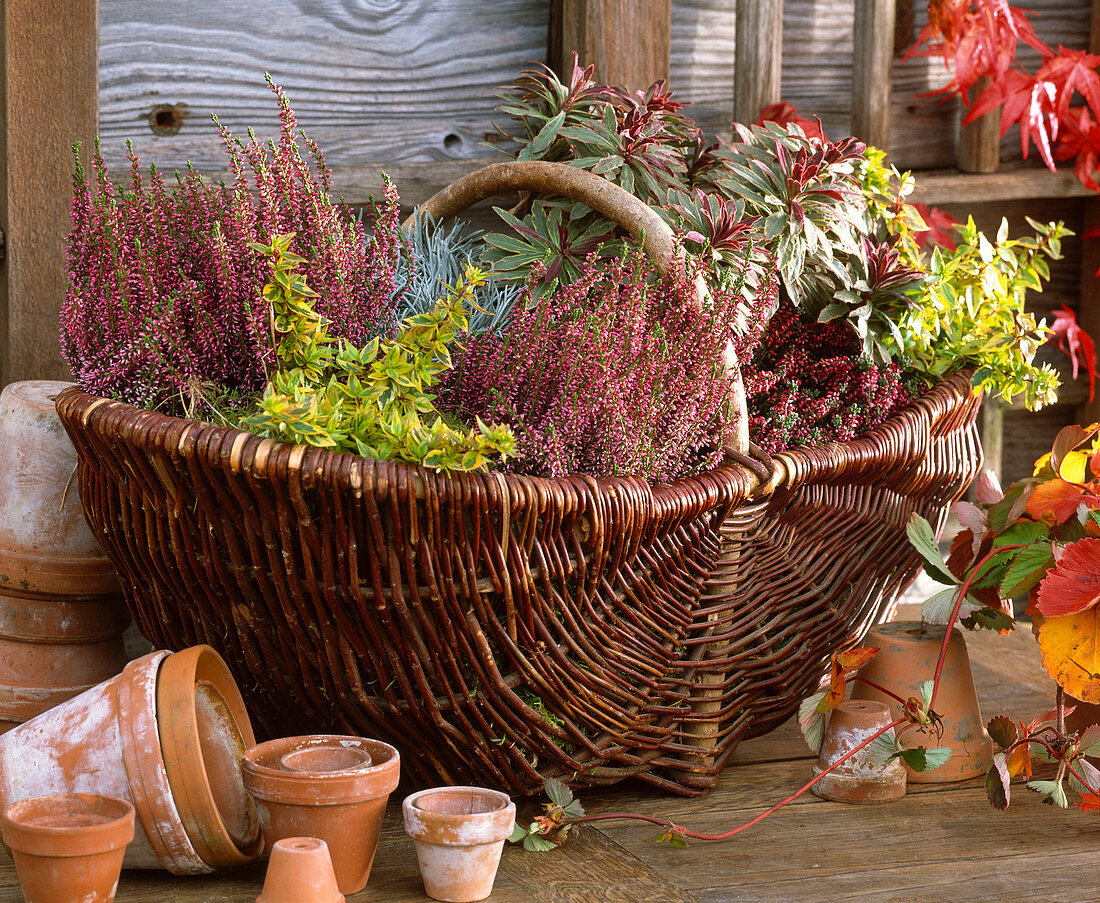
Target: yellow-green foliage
{"points": [[372, 400], [970, 311]]}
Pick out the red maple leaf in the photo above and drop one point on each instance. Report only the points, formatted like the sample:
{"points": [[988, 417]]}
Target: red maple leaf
{"points": [[1079, 140], [1071, 71], [1073, 584], [785, 114], [1074, 341], [940, 226]]}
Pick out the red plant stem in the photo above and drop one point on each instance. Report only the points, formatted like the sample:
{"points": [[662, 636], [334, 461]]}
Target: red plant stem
{"points": [[696, 835], [1060, 705], [875, 686], [963, 590]]}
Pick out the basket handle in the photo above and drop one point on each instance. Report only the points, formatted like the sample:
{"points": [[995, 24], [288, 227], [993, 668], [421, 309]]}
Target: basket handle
{"points": [[603, 196]]}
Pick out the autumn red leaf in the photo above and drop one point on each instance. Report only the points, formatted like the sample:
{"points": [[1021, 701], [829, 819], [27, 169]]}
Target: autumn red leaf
{"points": [[1019, 762], [1056, 501], [1071, 71], [941, 227], [1077, 344], [1074, 583], [785, 114]]}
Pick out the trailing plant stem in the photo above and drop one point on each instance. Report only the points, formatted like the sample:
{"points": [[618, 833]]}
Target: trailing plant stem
{"points": [[725, 835], [963, 590]]}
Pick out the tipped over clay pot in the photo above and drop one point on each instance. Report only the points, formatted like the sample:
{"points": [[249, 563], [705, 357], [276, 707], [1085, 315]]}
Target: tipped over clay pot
{"points": [[68, 848], [327, 786], [459, 834], [300, 871], [165, 735], [61, 609], [908, 657], [860, 778]]}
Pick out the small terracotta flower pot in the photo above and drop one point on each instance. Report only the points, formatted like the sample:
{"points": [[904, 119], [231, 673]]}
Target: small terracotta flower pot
{"points": [[907, 658], [300, 871], [459, 834], [68, 848], [115, 740], [859, 779], [341, 802], [61, 610]]}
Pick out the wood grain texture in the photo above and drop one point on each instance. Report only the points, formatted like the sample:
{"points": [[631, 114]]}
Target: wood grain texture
{"points": [[627, 40], [758, 60], [980, 141], [873, 54], [48, 91]]}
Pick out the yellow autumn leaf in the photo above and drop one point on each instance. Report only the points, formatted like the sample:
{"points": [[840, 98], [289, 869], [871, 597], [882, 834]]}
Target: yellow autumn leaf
{"points": [[1073, 468], [1071, 651]]}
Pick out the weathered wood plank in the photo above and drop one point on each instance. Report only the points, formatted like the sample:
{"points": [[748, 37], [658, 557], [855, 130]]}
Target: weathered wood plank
{"points": [[942, 188], [980, 141], [627, 40], [758, 61], [873, 55], [47, 102]]}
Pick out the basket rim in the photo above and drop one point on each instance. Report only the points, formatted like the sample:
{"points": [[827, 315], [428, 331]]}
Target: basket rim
{"points": [[737, 477]]}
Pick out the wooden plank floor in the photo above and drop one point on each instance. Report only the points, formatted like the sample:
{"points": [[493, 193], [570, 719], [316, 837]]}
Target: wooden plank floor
{"points": [[939, 843]]}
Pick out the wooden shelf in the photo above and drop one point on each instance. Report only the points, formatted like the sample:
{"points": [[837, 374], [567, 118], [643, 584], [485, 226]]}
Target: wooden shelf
{"points": [[938, 188]]}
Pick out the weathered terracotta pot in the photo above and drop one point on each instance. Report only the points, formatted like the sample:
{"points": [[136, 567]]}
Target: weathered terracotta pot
{"points": [[204, 732], [68, 848], [61, 611], [907, 658], [339, 804], [300, 871], [113, 740], [860, 779], [459, 834]]}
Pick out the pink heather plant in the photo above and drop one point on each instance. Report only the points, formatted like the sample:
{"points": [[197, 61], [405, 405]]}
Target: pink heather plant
{"points": [[617, 373], [810, 384], [164, 298]]}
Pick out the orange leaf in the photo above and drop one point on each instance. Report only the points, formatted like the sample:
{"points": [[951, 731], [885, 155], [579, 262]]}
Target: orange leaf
{"points": [[1019, 762], [837, 684], [1089, 802], [854, 659], [1073, 584], [1071, 652], [1055, 501]]}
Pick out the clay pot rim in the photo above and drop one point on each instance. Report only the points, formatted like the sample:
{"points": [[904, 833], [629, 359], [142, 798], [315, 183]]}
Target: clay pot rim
{"points": [[177, 721], [312, 772], [476, 828], [266, 780], [149, 788], [65, 841]]}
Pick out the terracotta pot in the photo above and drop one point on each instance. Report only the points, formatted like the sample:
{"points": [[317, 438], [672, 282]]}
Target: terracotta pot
{"points": [[338, 804], [907, 658], [61, 610], [859, 779], [109, 740], [459, 834], [204, 732], [68, 848], [300, 871]]}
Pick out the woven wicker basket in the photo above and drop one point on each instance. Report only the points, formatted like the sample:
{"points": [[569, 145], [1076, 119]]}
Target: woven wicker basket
{"points": [[497, 628]]}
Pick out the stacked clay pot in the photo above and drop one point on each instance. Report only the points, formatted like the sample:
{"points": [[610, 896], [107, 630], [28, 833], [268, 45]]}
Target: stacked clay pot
{"points": [[61, 611], [166, 735]]}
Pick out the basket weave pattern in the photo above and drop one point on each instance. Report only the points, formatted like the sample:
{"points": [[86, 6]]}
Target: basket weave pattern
{"points": [[500, 628]]}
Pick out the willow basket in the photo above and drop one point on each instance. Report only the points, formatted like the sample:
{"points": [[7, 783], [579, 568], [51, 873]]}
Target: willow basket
{"points": [[498, 628]]}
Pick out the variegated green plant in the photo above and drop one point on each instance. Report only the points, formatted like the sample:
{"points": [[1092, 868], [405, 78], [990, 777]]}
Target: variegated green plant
{"points": [[375, 400]]}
